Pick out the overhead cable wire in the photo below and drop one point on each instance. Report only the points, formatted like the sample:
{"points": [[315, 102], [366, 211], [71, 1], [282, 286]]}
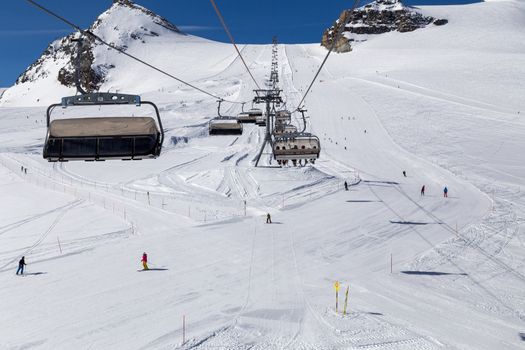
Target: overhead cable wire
{"points": [[334, 41], [102, 41], [223, 22]]}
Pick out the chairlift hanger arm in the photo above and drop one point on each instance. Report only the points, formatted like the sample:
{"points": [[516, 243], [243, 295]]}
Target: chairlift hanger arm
{"points": [[302, 110], [161, 128], [219, 108]]}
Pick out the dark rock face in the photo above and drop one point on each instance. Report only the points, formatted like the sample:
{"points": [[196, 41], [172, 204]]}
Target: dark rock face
{"points": [[90, 77], [440, 22], [379, 17], [92, 74]]}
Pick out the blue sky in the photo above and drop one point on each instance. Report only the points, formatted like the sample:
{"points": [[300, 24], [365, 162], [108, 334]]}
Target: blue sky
{"points": [[25, 32]]}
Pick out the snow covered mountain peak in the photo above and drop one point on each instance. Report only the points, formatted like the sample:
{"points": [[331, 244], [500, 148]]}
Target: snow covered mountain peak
{"points": [[126, 20]]}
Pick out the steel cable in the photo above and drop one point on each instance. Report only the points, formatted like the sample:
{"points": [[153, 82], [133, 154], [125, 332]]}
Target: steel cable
{"points": [[223, 22]]}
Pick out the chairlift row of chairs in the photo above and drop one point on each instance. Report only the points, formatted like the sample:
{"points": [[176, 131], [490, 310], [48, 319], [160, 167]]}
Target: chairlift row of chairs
{"points": [[289, 144], [230, 125], [136, 138]]}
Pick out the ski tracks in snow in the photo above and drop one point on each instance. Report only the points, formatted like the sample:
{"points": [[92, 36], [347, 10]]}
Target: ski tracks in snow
{"points": [[61, 212]]}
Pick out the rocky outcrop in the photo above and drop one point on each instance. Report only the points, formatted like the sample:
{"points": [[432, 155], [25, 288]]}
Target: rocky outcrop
{"points": [[379, 17]]}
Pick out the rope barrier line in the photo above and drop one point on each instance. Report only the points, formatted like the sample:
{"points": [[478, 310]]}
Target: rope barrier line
{"points": [[102, 41], [223, 22]]}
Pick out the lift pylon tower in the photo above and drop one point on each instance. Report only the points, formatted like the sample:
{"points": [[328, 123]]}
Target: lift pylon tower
{"points": [[271, 98]]}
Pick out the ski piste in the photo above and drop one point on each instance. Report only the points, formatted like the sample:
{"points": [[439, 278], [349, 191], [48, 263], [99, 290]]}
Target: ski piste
{"points": [[443, 103]]}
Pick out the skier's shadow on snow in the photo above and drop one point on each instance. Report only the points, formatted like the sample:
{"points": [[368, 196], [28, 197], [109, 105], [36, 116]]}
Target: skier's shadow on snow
{"points": [[433, 273], [155, 269], [35, 273], [522, 336], [409, 222], [275, 223], [381, 182]]}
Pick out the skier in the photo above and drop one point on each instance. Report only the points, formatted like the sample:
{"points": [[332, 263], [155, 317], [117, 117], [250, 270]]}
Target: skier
{"points": [[21, 265], [346, 186], [445, 192], [145, 261], [268, 218], [423, 190], [404, 173]]}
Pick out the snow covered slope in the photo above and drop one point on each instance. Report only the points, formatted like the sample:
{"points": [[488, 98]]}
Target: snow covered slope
{"points": [[442, 103]]}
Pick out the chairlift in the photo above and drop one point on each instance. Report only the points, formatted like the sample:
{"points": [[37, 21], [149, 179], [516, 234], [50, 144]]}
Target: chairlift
{"points": [[281, 129], [250, 116], [224, 125], [102, 138], [299, 147], [260, 120]]}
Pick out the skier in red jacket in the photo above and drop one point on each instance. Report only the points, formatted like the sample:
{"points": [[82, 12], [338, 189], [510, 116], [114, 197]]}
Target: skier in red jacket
{"points": [[145, 261]]}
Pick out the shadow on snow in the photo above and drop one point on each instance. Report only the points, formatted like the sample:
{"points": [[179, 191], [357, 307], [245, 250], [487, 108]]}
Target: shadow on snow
{"points": [[433, 273]]}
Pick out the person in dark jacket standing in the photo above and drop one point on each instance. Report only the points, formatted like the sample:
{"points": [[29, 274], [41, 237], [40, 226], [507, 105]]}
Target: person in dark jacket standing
{"points": [[445, 192], [423, 190], [21, 265], [268, 218], [346, 186]]}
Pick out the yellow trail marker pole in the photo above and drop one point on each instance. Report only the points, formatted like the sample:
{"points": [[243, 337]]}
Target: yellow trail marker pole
{"points": [[336, 286], [346, 300]]}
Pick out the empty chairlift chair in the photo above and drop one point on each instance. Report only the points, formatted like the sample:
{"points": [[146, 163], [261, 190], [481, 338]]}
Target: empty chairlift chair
{"points": [[250, 116], [298, 147], [224, 125], [103, 138], [260, 119], [244, 117]]}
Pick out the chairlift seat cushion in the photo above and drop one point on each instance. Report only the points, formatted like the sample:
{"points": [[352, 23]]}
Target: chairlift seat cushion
{"points": [[104, 126]]}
